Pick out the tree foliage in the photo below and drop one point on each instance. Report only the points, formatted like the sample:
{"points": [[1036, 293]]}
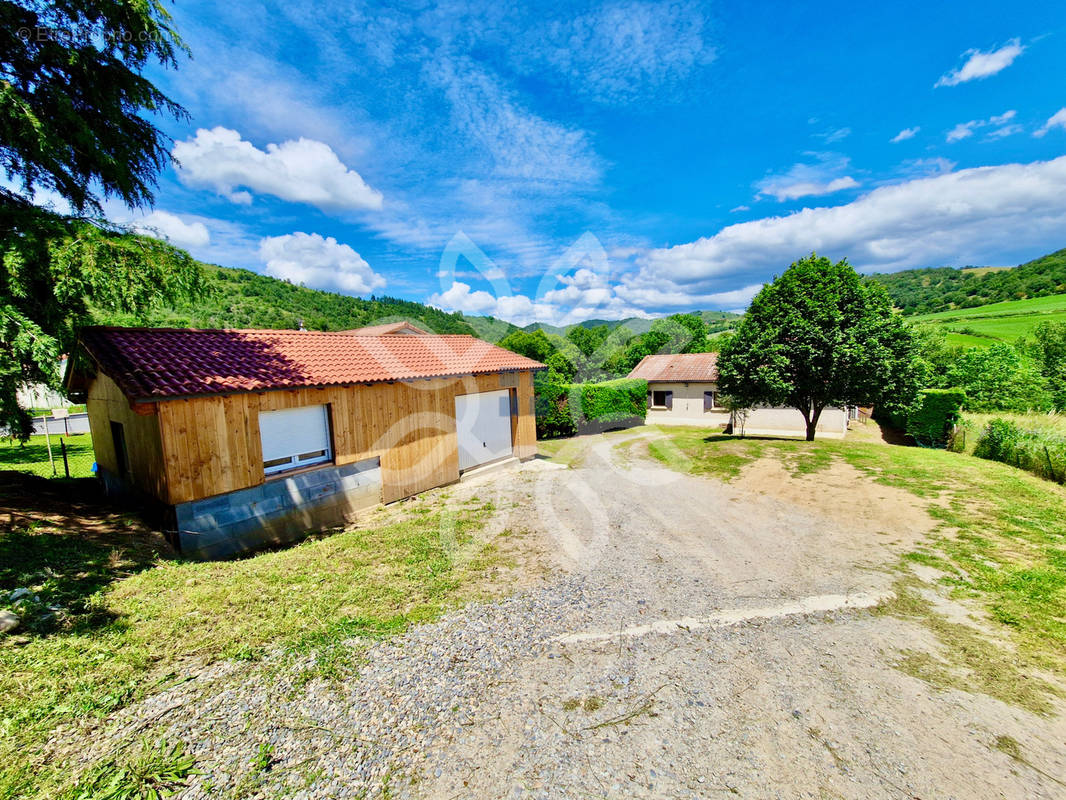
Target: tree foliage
{"points": [[74, 106], [75, 119], [998, 378], [818, 336]]}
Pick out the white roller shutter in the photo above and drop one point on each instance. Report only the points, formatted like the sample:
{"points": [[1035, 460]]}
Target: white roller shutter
{"points": [[483, 426], [294, 437]]}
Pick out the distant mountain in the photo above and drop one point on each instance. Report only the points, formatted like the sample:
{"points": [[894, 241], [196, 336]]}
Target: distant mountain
{"points": [[717, 321], [925, 291]]}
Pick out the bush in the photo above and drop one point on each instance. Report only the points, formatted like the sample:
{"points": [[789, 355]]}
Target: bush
{"points": [[553, 410], [566, 409], [934, 415], [1040, 453]]}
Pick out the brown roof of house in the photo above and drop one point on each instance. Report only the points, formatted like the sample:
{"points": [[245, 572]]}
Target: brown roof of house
{"points": [[677, 367], [161, 363], [388, 329]]}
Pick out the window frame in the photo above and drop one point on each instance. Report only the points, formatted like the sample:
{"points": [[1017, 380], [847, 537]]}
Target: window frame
{"points": [[666, 395], [297, 460]]}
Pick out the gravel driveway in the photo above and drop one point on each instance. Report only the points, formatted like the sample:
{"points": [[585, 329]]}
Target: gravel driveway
{"points": [[693, 639]]}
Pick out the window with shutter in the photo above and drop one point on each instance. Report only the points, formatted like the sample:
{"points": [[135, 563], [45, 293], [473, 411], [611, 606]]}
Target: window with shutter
{"points": [[294, 438], [708, 401]]}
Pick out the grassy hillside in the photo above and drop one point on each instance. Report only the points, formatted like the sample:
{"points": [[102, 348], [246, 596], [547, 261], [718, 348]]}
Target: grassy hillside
{"points": [[923, 291], [240, 298], [1003, 322]]}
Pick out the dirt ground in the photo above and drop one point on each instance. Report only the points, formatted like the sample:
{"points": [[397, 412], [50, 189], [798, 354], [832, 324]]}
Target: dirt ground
{"points": [[695, 638], [670, 636]]}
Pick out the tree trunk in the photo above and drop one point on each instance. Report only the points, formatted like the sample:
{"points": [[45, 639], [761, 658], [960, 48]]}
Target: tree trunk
{"points": [[812, 421]]}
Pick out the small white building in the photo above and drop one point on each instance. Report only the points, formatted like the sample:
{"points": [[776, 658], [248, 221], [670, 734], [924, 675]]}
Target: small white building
{"points": [[683, 390]]}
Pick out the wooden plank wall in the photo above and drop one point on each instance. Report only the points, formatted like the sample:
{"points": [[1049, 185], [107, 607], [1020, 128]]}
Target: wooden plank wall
{"points": [[212, 446], [106, 404]]}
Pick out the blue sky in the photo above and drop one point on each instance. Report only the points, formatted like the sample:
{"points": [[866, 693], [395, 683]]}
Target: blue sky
{"points": [[566, 161]]}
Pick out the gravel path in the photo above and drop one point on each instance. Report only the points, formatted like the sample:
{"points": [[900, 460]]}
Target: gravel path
{"points": [[684, 647]]}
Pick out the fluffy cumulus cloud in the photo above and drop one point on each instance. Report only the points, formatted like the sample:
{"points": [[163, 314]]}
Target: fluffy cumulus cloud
{"points": [[808, 180], [1056, 120], [301, 171], [968, 216], [905, 134], [980, 64], [1000, 125], [172, 228], [321, 263]]}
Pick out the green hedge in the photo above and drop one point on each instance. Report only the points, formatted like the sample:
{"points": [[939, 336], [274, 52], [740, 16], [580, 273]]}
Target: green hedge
{"points": [[1042, 453], [934, 415], [565, 409]]}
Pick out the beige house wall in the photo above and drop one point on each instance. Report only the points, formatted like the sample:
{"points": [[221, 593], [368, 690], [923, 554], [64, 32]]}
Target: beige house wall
{"points": [[688, 405]]}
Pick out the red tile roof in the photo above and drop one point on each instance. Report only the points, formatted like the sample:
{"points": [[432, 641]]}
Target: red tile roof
{"points": [[680, 367], [160, 363], [388, 329]]}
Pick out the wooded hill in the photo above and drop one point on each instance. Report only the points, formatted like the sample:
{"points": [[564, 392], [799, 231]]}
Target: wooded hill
{"points": [[240, 298], [925, 291]]}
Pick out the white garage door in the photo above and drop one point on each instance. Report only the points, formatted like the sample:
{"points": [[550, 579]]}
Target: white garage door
{"points": [[483, 422]]}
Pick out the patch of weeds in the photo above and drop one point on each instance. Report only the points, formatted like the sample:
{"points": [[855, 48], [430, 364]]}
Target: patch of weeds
{"points": [[158, 770], [816, 735], [1010, 747], [968, 662], [592, 704], [693, 451], [572, 704], [263, 759]]}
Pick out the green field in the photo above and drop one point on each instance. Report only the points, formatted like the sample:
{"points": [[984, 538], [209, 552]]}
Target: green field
{"points": [[999, 322], [33, 456]]}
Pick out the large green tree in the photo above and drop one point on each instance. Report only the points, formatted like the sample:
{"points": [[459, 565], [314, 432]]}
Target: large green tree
{"points": [[77, 121], [819, 336]]}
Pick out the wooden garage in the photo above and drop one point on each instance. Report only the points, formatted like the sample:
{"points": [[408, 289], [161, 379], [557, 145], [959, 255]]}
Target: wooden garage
{"points": [[254, 437]]}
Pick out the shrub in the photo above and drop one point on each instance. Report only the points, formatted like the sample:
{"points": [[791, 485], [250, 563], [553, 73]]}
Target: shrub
{"points": [[934, 415], [553, 410], [566, 409], [1041, 453]]}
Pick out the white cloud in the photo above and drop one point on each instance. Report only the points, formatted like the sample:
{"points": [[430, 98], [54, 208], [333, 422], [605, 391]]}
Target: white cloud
{"points": [[1001, 123], [807, 180], [980, 64], [737, 209], [905, 134], [172, 228], [925, 167], [522, 146], [301, 171], [834, 135], [962, 131], [965, 217], [317, 262], [1056, 120], [622, 50]]}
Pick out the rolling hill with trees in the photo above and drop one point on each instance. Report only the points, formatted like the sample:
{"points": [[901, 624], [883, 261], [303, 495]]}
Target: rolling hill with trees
{"points": [[926, 291], [240, 298]]}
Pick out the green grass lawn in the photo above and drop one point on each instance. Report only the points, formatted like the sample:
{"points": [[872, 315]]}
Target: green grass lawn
{"points": [[132, 623], [1004, 322], [33, 455], [1001, 541]]}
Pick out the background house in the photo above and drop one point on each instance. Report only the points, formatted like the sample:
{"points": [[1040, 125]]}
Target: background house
{"points": [[246, 438], [683, 390]]}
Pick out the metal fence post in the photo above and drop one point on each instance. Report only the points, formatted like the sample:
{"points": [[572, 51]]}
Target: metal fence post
{"points": [[66, 466]]}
